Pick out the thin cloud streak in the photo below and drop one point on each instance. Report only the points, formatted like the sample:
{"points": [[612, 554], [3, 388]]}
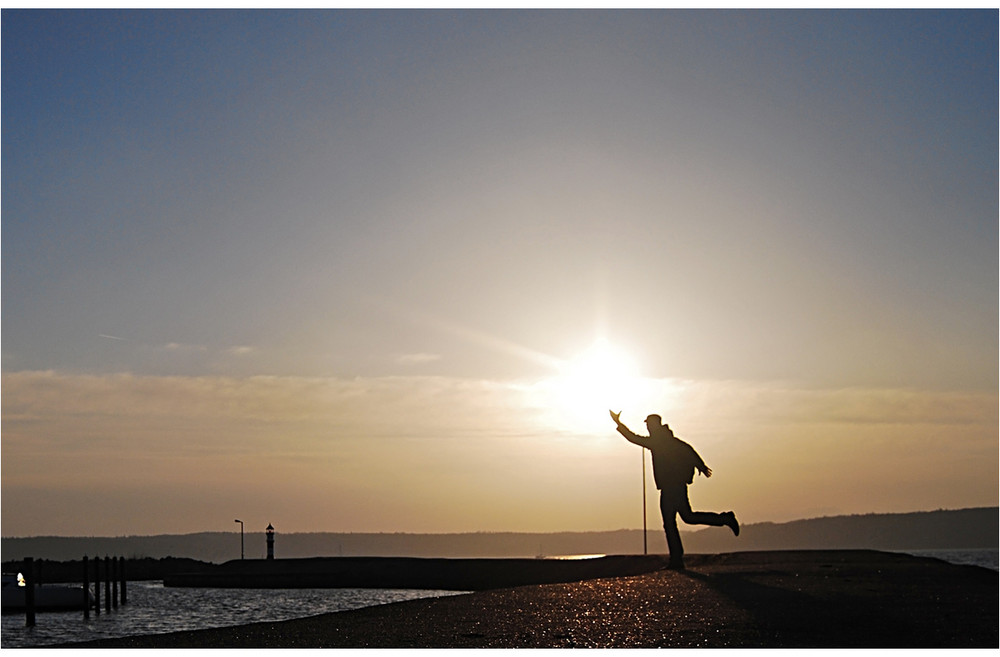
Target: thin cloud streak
{"points": [[465, 333]]}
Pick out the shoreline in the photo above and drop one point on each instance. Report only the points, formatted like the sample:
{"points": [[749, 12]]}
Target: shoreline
{"points": [[805, 599]]}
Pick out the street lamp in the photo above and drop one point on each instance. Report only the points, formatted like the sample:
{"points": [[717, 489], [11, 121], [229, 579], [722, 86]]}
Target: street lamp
{"points": [[241, 537]]}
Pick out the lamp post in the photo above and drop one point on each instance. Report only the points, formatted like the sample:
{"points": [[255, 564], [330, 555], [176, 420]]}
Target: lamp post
{"points": [[241, 537]]}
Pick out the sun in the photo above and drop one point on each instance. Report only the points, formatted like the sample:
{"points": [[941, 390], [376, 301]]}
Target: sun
{"points": [[603, 377]]}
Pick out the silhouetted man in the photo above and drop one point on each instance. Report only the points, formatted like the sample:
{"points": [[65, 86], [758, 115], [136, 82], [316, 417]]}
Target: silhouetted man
{"points": [[674, 463]]}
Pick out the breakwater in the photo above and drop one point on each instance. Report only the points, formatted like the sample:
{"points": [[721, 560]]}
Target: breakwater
{"points": [[409, 572]]}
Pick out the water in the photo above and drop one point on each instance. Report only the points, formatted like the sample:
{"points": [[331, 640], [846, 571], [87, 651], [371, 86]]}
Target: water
{"points": [[985, 557], [155, 609]]}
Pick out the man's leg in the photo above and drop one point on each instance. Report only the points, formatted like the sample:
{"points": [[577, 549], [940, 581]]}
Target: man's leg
{"points": [[727, 519], [668, 509]]}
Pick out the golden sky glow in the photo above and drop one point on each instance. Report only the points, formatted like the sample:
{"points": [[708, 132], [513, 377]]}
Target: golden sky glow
{"points": [[441, 454]]}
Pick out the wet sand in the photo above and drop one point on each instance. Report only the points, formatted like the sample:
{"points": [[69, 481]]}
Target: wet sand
{"points": [[804, 599]]}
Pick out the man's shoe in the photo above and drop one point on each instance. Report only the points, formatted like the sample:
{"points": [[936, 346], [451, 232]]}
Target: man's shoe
{"points": [[732, 523], [675, 565]]}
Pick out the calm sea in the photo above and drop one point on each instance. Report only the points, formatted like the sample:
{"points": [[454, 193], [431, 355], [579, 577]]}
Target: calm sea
{"points": [[154, 609], [987, 557]]}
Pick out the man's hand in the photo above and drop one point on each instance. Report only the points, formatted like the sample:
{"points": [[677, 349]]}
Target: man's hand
{"points": [[707, 471], [615, 416]]}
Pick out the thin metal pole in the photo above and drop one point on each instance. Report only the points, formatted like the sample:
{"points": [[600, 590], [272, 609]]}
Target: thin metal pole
{"points": [[241, 537], [645, 548]]}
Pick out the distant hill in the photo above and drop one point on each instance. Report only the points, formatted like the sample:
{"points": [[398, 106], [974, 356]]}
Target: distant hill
{"points": [[929, 530]]}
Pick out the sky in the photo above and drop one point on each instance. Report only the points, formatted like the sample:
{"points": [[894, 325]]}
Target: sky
{"points": [[387, 271]]}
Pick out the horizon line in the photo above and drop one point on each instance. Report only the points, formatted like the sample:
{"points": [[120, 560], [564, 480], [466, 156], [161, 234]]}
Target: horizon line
{"points": [[462, 533]]}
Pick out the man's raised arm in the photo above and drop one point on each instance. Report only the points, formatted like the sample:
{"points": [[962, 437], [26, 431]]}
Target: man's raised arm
{"points": [[623, 430]]}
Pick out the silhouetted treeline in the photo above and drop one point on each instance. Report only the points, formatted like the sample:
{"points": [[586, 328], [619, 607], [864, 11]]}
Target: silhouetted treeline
{"points": [[944, 529]]}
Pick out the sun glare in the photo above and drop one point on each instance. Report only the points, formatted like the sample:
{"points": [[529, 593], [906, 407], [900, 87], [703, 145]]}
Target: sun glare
{"points": [[601, 378]]}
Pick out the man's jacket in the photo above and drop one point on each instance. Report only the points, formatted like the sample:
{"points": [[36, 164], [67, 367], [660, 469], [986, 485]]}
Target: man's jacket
{"points": [[674, 461]]}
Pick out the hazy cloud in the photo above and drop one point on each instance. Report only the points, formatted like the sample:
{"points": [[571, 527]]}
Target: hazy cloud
{"points": [[489, 447], [738, 402], [414, 405]]}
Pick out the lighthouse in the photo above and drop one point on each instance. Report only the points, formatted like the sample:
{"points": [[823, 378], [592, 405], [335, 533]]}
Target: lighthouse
{"points": [[270, 541]]}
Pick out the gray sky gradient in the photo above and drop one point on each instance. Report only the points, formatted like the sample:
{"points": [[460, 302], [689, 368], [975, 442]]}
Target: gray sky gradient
{"points": [[806, 195]]}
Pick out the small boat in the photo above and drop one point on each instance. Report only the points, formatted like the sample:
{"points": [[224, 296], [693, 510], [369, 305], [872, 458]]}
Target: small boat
{"points": [[48, 597]]}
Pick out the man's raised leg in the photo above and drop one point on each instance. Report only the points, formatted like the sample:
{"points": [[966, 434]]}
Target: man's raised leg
{"points": [[727, 519]]}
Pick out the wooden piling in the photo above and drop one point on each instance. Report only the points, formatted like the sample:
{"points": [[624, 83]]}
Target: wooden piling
{"points": [[114, 584], [97, 586], [107, 584], [124, 579], [86, 588], [29, 591]]}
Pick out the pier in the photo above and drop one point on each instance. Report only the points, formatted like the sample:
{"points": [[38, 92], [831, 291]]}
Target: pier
{"points": [[41, 591]]}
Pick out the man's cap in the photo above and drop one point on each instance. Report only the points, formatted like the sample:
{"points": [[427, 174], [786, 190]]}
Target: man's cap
{"points": [[654, 416]]}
